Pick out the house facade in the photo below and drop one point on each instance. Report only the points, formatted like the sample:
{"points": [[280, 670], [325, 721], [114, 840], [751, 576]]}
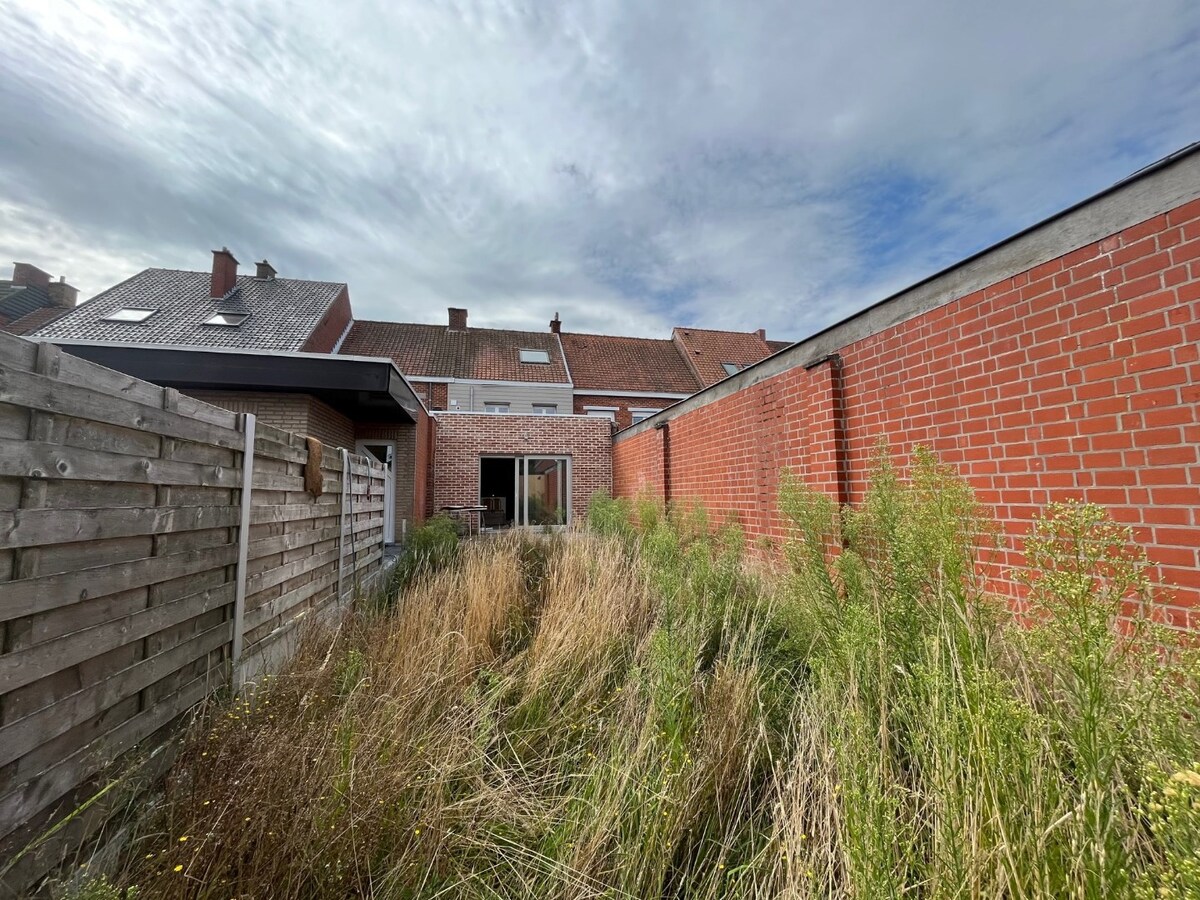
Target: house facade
{"points": [[508, 428]]}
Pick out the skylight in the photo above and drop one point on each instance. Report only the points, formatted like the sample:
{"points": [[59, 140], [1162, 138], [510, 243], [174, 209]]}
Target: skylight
{"points": [[228, 320], [731, 368], [535, 356], [129, 314]]}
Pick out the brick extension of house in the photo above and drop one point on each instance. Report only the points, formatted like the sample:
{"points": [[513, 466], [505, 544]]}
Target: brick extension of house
{"points": [[1059, 363]]}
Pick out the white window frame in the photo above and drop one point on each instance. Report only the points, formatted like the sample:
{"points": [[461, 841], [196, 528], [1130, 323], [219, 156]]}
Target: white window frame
{"points": [[643, 412], [545, 409], [497, 407], [113, 316], [521, 462], [601, 412], [533, 351]]}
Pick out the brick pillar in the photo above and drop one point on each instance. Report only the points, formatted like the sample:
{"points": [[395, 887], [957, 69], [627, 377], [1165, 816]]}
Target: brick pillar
{"points": [[826, 469]]}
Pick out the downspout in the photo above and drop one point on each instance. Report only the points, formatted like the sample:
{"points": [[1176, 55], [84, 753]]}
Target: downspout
{"points": [[665, 428], [841, 460]]}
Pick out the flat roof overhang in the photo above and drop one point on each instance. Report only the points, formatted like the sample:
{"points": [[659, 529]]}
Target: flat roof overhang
{"points": [[364, 389]]}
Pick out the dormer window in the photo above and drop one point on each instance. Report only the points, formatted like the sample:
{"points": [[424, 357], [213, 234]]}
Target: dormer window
{"points": [[129, 314], [227, 320], [535, 356]]}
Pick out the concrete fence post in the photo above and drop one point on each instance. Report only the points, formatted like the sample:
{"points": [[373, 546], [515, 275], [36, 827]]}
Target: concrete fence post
{"points": [[239, 603]]}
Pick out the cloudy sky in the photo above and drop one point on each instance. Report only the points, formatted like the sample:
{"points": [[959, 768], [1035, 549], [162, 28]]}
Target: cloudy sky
{"points": [[630, 164]]}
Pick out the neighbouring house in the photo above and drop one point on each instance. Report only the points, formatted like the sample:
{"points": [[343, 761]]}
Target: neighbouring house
{"points": [[513, 428], [628, 379], [507, 437], [31, 299], [260, 344]]}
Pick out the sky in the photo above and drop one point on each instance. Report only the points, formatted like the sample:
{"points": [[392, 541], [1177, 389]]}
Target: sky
{"points": [[630, 165]]}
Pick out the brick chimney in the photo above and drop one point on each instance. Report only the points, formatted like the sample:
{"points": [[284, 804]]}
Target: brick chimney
{"points": [[556, 325], [458, 319], [25, 275], [62, 294], [224, 273], [762, 334], [264, 271]]}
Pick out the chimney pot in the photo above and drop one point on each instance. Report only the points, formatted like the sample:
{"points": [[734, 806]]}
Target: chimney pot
{"points": [[458, 319], [62, 294], [26, 275], [264, 271], [556, 325], [224, 273]]}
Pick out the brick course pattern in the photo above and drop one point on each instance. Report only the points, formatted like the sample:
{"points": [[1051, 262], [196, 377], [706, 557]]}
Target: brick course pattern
{"points": [[1079, 378], [463, 437], [297, 413]]}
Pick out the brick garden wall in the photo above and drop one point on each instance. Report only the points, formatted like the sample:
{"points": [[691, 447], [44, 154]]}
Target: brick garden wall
{"points": [[1077, 378], [461, 438]]}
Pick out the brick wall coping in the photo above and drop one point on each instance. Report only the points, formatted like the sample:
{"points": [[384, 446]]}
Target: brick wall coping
{"points": [[437, 414], [1156, 189]]}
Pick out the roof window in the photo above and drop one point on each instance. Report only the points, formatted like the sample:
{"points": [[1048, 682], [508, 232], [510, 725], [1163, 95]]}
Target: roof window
{"points": [[535, 356], [731, 368], [227, 320], [129, 314]]}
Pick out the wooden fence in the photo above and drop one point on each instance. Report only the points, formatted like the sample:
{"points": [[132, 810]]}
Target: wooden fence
{"points": [[138, 575]]}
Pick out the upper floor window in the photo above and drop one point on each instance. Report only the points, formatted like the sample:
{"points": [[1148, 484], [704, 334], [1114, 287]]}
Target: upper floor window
{"points": [[639, 414], [545, 409], [601, 412], [731, 368], [229, 320], [130, 314], [492, 407], [535, 356]]}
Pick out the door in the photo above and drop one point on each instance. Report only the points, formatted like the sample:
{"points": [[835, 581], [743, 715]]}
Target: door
{"points": [[385, 452], [525, 491]]}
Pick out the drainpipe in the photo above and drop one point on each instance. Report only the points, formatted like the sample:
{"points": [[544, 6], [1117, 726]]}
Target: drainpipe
{"points": [[665, 428], [838, 400]]}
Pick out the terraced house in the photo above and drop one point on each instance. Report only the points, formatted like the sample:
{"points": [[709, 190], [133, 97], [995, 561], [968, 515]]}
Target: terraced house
{"points": [[506, 428]]}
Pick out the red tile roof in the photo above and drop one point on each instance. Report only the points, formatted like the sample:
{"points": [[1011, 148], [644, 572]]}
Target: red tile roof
{"points": [[776, 346], [435, 351], [605, 362], [706, 350], [31, 322]]}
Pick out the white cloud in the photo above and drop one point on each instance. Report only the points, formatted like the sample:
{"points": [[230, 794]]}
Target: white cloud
{"points": [[629, 165]]}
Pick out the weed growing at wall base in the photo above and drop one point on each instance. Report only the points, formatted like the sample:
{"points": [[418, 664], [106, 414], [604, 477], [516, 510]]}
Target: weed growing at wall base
{"points": [[633, 712]]}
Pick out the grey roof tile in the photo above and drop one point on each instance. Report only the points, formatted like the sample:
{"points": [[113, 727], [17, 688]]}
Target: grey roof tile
{"points": [[282, 312]]}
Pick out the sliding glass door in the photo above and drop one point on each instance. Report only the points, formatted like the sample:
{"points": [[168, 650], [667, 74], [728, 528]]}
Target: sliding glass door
{"points": [[540, 491]]}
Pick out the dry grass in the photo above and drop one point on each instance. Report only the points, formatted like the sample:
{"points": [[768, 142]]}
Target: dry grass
{"points": [[633, 714]]}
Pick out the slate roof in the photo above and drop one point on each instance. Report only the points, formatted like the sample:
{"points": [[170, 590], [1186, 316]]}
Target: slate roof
{"points": [[706, 350], [435, 351], [606, 362], [282, 312], [31, 322], [18, 300]]}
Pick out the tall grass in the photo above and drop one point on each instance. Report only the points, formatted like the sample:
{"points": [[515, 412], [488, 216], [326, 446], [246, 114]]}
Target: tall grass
{"points": [[635, 712]]}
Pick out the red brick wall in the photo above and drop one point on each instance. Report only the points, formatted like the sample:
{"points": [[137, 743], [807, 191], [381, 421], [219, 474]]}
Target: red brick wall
{"points": [[463, 437], [623, 404], [331, 327], [433, 394], [1079, 378]]}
